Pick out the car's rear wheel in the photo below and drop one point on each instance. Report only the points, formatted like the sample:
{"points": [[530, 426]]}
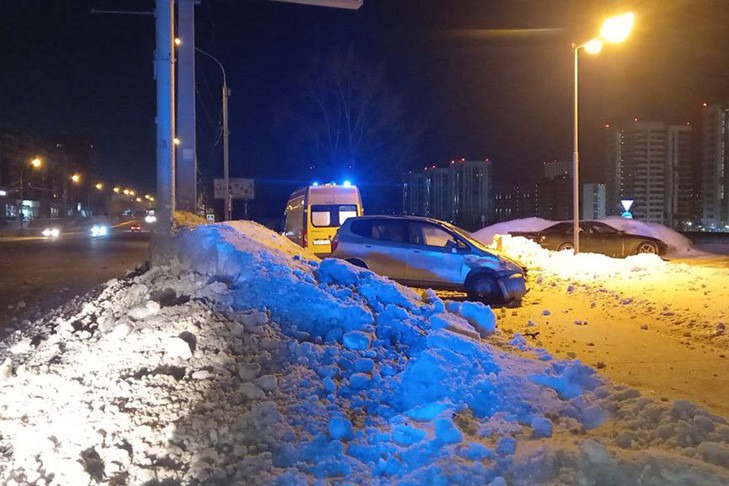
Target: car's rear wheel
{"points": [[566, 246], [648, 247], [357, 262], [483, 287]]}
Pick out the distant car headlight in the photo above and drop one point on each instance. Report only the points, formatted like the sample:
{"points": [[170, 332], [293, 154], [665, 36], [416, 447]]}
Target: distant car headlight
{"points": [[99, 230], [51, 232], [150, 218]]}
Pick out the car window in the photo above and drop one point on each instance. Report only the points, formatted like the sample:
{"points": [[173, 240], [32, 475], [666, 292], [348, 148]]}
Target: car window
{"points": [[430, 235], [331, 215], [362, 227], [388, 230], [602, 228], [560, 229]]}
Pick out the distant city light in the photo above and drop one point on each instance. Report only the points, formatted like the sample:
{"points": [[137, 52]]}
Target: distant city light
{"points": [[3, 193], [76, 178], [139, 199], [704, 104], [178, 41], [36, 162], [131, 192], [126, 192], [176, 141], [99, 186], [347, 183], [150, 218], [117, 189]]}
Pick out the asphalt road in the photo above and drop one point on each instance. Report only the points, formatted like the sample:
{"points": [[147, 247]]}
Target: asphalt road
{"points": [[37, 274]]}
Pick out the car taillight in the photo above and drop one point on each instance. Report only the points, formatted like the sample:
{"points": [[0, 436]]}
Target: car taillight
{"points": [[335, 243]]}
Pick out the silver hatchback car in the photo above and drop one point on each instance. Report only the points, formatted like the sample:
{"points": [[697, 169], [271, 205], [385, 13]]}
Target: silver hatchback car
{"points": [[424, 252]]}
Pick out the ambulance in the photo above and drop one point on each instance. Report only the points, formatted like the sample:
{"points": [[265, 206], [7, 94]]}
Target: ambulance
{"points": [[315, 213]]}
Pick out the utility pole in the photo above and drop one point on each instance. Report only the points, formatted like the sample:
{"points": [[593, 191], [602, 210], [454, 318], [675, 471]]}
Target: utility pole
{"points": [[186, 187], [226, 165], [164, 74], [228, 208]]}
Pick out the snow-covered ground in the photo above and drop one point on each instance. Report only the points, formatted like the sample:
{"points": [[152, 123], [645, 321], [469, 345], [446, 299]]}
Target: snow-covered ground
{"points": [[248, 361]]}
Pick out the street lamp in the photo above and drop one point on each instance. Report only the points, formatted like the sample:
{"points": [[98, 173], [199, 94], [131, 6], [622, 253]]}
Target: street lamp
{"points": [[227, 206], [99, 186], [117, 189], [35, 163], [614, 30], [76, 178]]}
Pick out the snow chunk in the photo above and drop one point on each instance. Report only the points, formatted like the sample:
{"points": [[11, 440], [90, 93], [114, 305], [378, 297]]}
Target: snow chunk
{"points": [[176, 347], [340, 428], [480, 316], [356, 340]]}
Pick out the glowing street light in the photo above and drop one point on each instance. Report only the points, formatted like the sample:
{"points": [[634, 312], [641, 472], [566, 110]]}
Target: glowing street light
{"points": [[176, 141], [36, 163], [126, 192], [617, 29], [594, 46], [117, 189], [139, 199], [131, 192], [76, 178], [614, 30], [99, 186], [178, 41]]}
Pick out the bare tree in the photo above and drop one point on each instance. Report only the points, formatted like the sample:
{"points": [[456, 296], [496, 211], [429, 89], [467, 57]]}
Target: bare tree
{"points": [[349, 120]]}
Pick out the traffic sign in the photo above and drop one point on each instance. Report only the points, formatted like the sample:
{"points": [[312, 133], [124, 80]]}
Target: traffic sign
{"points": [[239, 189]]}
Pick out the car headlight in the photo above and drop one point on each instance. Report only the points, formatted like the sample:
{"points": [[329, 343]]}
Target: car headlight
{"points": [[51, 232], [99, 230], [150, 218]]}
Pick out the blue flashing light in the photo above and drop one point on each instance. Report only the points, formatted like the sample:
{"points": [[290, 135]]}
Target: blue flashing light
{"points": [[315, 184], [347, 184]]}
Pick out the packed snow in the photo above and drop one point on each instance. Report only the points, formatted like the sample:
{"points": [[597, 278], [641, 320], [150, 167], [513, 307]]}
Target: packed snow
{"points": [[248, 361], [678, 245]]}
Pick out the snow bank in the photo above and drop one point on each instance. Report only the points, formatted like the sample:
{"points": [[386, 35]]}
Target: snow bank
{"points": [[677, 243], [486, 235], [565, 264], [250, 362]]}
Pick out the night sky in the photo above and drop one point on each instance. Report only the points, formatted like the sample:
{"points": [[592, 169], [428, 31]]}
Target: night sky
{"points": [[478, 78]]}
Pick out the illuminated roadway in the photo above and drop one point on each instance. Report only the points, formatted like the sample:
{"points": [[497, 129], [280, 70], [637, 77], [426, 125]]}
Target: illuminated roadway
{"points": [[44, 273]]}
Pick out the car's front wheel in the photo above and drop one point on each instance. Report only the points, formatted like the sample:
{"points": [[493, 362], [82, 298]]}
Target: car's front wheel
{"points": [[566, 246], [648, 247], [483, 287]]}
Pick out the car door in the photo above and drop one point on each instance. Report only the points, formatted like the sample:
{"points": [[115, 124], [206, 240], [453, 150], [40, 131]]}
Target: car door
{"points": [[436, 256], [591, 240], [385, 248], [611, 240]]}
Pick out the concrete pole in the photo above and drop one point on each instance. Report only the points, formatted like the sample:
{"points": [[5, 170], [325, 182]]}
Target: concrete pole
{"points": [[186, 187], [576, 159], [164, 74]]}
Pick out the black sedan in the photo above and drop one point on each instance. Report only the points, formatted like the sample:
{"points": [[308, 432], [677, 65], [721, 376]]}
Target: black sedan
{"points": [[595, 237]]}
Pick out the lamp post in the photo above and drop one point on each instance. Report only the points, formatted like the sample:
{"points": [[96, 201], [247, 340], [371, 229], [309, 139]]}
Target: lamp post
{"points": [[614, 30], [36, 164], [228, 210]]}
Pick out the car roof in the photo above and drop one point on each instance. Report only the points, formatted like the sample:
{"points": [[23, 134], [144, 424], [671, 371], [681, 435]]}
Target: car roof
{"points": [[404, 217]]}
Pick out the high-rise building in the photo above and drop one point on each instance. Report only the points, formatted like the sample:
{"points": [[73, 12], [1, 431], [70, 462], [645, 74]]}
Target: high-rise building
{"points": [[593, 201], [556, 168], [460, 193], [650, 163], [715, 167]]}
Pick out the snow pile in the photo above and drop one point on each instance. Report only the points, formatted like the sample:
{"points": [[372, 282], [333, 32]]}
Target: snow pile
{"points": [[251, 363], [566, 264], [677, 243], [486, 235]]}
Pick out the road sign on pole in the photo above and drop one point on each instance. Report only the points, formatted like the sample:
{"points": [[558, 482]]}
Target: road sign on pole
{"points": [[239, 189]]}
